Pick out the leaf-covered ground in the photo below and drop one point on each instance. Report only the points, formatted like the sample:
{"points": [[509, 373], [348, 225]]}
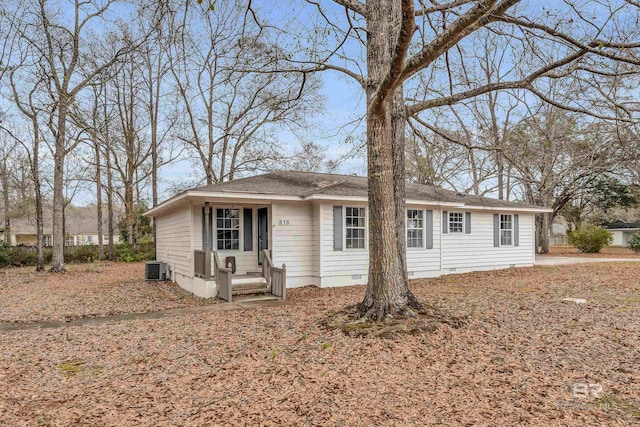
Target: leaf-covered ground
{"points": [[515, 364], [86, 290], [609, 252]]}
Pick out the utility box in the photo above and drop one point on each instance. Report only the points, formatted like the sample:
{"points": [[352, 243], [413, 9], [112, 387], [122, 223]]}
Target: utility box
{"points": [[155, 271]]}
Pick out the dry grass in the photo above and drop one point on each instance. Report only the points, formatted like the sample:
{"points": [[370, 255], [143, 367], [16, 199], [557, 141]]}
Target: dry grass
{"points": [[86, 290], [609, 252], [515, 364]]}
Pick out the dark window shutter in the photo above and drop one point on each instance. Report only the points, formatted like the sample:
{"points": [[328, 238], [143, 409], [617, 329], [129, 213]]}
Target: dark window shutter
{"points": [[445, 222], [248, 229], [496, 230], [467, 222], [516, 230], [337, 228], [428, 225], [203, 237], [204, 228]]}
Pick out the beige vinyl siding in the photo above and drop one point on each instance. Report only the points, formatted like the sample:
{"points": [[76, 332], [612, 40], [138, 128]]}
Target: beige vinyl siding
{"points": [[348, 262], [293, 242], [317, 233], [174, 237], [421, 260], [475, 251], [245, 261]]}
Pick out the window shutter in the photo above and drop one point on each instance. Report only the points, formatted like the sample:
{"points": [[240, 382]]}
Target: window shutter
{"points": [[467, 223], [211, 228], [445, 222], [203, 237], [516, 230], [204, 228], [428, 226], [337, 228], [496, 230], [248, 229]]}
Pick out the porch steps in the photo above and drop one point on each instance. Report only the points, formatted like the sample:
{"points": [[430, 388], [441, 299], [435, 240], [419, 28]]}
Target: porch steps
{"points": [[247, 280], [253, 288], [255, 298]]}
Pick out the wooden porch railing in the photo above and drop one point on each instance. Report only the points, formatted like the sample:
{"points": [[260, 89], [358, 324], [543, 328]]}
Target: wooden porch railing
{"points": [[199, 264], [276, 277], [222, 276]]}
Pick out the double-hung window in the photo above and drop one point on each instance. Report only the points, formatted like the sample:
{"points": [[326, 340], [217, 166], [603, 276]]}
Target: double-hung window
{"points": [[506, 230], [355, 222], [228, 229], [456, 222], [415, 228]]}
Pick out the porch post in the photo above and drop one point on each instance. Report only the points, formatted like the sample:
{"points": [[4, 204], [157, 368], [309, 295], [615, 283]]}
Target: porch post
{"points": [[207, 242]]}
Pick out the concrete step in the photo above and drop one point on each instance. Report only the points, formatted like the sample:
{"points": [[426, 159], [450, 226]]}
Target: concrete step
{"points": [[255, 298], [249, 288], [246, 279]]}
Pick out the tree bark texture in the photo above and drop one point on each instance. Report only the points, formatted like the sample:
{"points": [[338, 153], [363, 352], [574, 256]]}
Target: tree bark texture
{"points": [[57, 261], [387, 291]]}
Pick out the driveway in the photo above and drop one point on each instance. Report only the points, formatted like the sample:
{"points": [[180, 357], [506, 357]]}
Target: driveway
{"points": [[565, 260]]}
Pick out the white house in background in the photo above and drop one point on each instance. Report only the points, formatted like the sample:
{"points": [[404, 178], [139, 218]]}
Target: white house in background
{"points": [[317, 225], [81, 228], [622, 232]]}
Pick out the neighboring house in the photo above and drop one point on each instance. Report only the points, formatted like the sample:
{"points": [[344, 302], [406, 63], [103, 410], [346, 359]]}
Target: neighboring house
{"points": [[317, 225], [81, 228], [558, 233], [622, 232]]}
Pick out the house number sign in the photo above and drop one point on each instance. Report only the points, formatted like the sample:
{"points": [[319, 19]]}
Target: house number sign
{"points": [[283, 222]]}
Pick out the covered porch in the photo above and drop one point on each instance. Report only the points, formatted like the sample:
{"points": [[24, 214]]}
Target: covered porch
{"points": [[235, 254]]}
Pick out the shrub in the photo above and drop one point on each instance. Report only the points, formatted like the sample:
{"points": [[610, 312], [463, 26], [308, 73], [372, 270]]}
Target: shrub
{"points": [[127, 253], [5, 258], [81, 254], [634, 241], [590, 239]]}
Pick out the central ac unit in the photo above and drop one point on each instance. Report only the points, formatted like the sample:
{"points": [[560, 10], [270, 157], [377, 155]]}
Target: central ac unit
{"points": [[155, 270]]}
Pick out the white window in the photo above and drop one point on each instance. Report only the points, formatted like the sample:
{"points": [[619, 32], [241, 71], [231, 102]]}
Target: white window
{"points": [[415, 228], [506, 230], [89, 240], [355, 221], [456, 222], [70, 241], [47, 240], [228, 228]]}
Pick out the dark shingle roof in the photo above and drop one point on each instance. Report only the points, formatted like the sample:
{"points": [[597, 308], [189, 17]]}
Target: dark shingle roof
{"points": [[623, 225], [303, 184]]}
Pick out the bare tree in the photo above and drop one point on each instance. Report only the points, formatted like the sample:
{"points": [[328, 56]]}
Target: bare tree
{"points": [[231, 92], [401, 43], [60, 40]]}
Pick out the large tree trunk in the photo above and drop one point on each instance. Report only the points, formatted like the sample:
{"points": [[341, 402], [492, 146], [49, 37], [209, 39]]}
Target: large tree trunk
{"points": [[99, 200], [387, 291], [35, 171], [544, 235], [6, 202], [57, 262]]}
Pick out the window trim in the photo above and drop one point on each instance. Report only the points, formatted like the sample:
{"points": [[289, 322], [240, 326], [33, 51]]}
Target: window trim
{"points": [[462, 221], [215, 229], [423, 228], [365, 228], [500, 230]]}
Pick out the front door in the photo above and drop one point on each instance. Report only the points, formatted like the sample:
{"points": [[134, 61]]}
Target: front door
{"points": [[263, 232]]}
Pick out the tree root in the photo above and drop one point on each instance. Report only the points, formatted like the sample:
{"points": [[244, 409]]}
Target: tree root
{"points": [[406, 321]]}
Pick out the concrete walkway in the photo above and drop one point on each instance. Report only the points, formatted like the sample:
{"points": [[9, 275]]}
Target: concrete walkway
{"points": [[566, 260], [174, 312]]}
